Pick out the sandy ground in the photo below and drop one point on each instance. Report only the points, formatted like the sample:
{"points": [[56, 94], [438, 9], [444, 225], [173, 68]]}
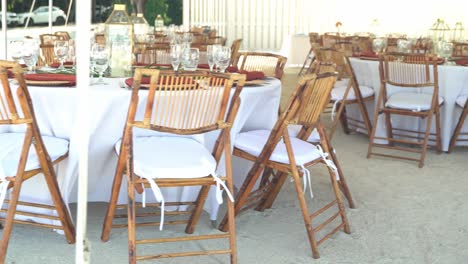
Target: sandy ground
{"points": [[403, 215]]}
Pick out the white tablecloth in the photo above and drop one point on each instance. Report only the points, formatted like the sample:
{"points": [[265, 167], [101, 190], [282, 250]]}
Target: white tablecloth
{"points": [[453, 81], [56, 110]]}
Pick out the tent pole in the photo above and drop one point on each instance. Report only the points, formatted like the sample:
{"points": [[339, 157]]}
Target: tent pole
{"points": [[68, 12], [82, 14], [4, 44], [50, 16], [26, 24]]}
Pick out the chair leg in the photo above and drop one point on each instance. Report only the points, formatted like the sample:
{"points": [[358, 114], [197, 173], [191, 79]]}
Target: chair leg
{"points": [[131, 215], [198, 209], [339, 200], [458, 128], [10, 218], [426, 139], [273, 192], [231, 211], [438, 132], [243, 193], [374, 127], [107, 225], [344, 120], [342, 182], [365, 116], [305, 214], [388, 122]]}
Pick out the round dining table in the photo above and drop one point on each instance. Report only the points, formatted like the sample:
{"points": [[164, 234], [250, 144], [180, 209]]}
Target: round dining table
{"points": [[56, 110]]}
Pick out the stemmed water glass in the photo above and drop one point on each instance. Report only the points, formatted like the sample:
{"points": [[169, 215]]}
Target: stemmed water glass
{"points": [[223, 57], [30, 55], [16, 49], [72, 52], [445, 50], [176, 53], [100, 55], [210, 54], [61, 51], [188, 38], [379, 45]]}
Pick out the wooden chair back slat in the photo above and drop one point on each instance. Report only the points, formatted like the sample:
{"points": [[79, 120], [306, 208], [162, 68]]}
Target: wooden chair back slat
{"points": [[235, 47], [316, 97], [8, 109], [409, 70], [272, 65], [185, 103]]}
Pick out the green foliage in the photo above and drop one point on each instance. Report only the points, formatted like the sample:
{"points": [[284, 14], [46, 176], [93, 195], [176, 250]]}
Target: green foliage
{"points": [[154, 8]]}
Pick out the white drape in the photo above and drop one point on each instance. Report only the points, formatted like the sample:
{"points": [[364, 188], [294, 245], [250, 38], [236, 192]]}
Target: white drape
{"points": [[264, 23]]}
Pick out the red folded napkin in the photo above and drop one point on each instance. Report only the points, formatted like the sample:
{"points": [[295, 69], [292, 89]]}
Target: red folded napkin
{"points": [[463, 62], [57, 64], [253, 75], [369, 54], [45, 77], [10, 74]]}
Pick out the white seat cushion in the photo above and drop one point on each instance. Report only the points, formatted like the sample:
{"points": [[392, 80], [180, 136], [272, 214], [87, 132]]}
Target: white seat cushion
{"points": [[461, 100], [411, 101], [10, 151], [171, 157], [295, 129], [337, 93], [253, 142]]}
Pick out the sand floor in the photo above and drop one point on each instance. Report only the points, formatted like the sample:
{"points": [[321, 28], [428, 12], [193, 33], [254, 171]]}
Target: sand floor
{"points": [[404, 215]]}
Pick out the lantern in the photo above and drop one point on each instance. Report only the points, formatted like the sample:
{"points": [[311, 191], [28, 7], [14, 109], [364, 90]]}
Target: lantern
{"points": [[140, 25], [438, 30], [458, 31], [119, 39], [158, 23]]}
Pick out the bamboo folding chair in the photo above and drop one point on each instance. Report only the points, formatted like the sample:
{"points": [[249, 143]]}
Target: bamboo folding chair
{"points": [[460, 49], [314, 39], [278, 151], [272, 65], [27, 163], [462, 101], [410, 72], [343, 95], [235, 47], [158, 53], [63, 35], [184, 103], [47, 48]]}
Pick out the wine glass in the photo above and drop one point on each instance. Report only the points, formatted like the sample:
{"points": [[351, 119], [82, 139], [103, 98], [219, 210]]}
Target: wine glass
{"points": [[190, 59], [72, 52], [176, 52], [404, 46], [223, 57], [188, 37], [445, 50], [30, 55], [16, 49], [210, 54], [100, 55], [379, 45], [61, 51]]}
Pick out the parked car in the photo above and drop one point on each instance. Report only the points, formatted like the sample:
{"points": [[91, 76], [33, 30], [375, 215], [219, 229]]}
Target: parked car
{"points": [[12, 19], [101, 13], [41, 15]]}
